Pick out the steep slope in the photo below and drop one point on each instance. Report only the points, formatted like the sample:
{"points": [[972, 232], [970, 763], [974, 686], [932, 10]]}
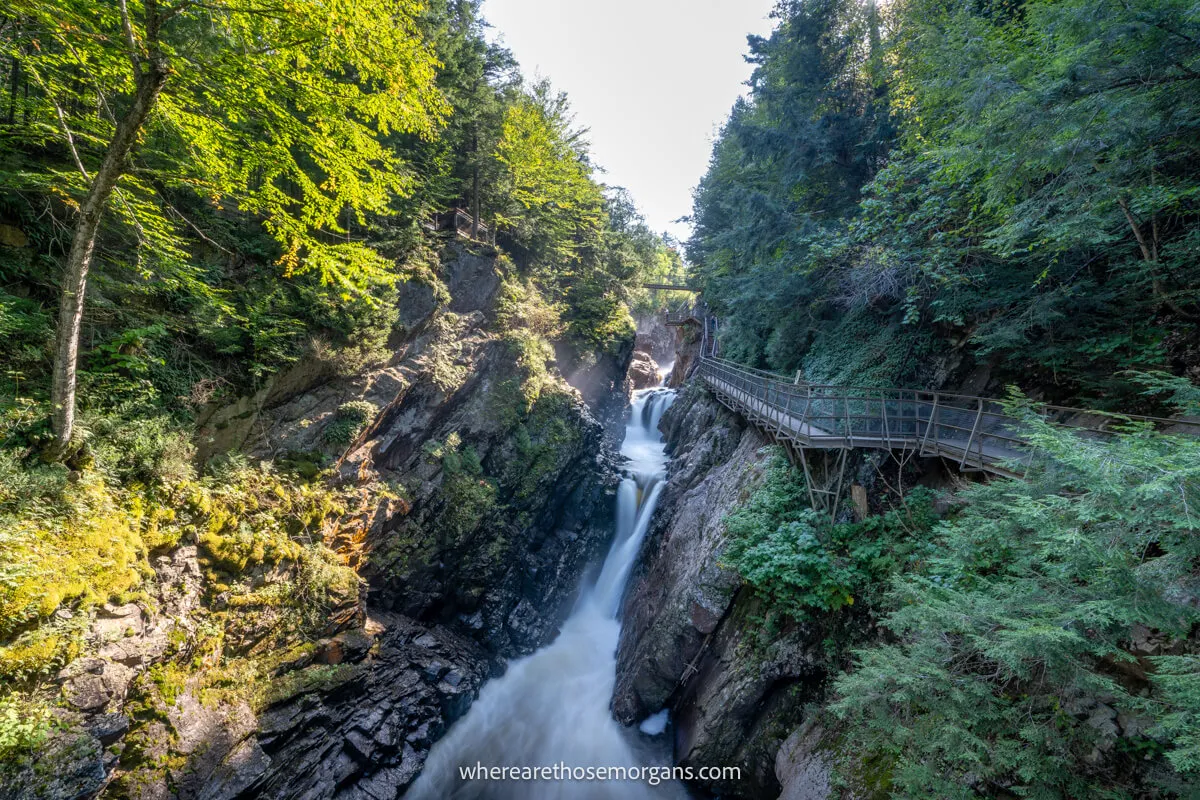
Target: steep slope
{"points": [[470, 487]]}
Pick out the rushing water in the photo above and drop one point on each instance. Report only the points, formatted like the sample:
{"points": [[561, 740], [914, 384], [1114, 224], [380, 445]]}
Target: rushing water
{"points": [[552, 708]]}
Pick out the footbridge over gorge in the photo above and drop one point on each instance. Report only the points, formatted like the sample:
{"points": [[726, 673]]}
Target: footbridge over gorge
{"points": [[974, 433]]}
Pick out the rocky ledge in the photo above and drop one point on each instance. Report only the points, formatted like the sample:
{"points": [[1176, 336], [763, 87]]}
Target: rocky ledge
{"points": [[482, 493], [693, 639]]}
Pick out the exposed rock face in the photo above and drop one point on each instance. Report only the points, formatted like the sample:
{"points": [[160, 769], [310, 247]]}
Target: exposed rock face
{"points": [[802, 768], [691, 640], [493, 549], [500, 501], [655, 338], [500, 566], [366, 734], [603, 383], [643, 372], [687, 354]]}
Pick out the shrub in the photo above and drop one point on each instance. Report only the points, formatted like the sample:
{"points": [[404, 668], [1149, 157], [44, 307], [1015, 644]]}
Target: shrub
{"points": [[350, 420], [1020, 621], [24, 726], [802, 563], [128, 447]]}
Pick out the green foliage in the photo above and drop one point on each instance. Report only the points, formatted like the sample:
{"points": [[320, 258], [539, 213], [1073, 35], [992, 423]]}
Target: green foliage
{"points": [[1183, 394], [545, 442], [552, 195], [22, 728], [349, 421], [467, 495], [238, 141], [129, 448], [1009, 183], [1019, 621], [1177, 679], [804, 565]]}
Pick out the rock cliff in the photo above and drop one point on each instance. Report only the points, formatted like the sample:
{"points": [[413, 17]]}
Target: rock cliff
{"points": [[693, 639], [482, 486]]}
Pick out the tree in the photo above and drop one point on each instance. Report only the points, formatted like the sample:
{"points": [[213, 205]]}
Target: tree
{"points": [[480, 80], [277, 107], [553, 205]]}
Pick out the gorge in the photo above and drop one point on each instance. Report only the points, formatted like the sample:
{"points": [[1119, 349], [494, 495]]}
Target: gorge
{"points": [[360, 441]]}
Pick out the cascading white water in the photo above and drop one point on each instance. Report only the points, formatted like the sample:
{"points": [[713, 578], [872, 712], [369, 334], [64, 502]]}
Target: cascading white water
{"points": [[552, 708], [664, 373]]}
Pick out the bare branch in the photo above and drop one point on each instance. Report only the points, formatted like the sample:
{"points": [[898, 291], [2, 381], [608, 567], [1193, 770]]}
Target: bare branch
{"points": [[194, 226], [130, 40], [1137, 229], [62, 122]]}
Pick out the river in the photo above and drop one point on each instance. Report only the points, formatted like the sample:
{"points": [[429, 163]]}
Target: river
{"points": [[552, 709]]}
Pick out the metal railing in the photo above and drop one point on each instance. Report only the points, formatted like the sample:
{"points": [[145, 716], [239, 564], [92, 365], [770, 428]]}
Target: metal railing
{"points": [[674, 319], [976, 432]]}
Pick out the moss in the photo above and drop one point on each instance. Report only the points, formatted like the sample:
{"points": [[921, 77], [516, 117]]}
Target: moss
{"points": [[170, 680], [234, 551], [89, 555], [467, 495], [545, 442], [90, 540], [349, 421], [37, 653], [403, 548], [467, 500], [319, 678], [306, 464]]}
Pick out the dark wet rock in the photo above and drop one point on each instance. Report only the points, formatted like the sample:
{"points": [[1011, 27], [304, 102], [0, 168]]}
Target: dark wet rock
{"points": [[368, 736], [108, 728], [497, 555], [690, 641], [603, 383], [67, 766]]}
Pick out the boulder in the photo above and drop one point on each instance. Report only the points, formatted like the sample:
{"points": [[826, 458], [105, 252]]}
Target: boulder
{"points": [[643, 372], [91, 684]]}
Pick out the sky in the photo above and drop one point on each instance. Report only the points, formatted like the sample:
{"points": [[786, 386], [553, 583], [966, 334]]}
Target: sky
{"points": [[652, 79]]}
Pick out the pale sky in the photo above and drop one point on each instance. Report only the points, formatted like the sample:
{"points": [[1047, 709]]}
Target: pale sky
{"points": [[652, 80]]}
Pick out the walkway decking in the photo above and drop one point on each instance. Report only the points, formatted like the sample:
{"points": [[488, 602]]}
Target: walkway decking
{"points": [[975, 432]]}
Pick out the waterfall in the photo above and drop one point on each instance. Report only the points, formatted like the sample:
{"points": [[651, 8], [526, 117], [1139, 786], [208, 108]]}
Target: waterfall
{"points": [[551, 709]]}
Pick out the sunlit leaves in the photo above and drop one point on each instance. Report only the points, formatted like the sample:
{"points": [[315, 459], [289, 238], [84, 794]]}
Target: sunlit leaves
{"points": [[276, 108]]}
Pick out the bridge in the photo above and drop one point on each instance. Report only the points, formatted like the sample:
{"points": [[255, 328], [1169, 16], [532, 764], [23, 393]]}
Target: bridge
{"points": [[670, 287], [975, 433]]}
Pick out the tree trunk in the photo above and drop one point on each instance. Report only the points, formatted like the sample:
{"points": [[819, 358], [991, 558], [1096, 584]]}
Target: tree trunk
{"points": [[1150, 256], [74, 287], [475, 187], [12, 91]]}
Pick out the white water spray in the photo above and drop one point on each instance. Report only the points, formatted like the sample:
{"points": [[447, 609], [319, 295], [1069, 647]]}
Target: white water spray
{"points": [[552, 708]]}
